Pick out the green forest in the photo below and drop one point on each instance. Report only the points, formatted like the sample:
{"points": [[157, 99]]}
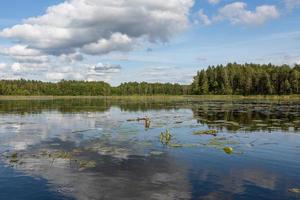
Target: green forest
{"points": [[232, 79], [247, 79], [84, 88]]}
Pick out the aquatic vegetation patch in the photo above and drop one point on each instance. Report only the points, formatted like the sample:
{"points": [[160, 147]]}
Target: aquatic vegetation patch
{"points": [[14, 157], [222, 144], [165, 137], [294, 190], [176, 145], [83, 165], [44, 157], [206, 132], [61, 155]]}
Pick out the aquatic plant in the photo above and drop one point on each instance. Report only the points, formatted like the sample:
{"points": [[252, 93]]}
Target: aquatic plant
{"points": [[206, 132], [83, 165], [165, 137], [14, 158]]}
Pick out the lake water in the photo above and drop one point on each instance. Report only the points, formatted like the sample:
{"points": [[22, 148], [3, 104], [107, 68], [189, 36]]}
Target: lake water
{"points": [[90, 149]]}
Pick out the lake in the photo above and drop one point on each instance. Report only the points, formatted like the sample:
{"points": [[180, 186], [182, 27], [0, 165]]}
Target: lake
{"points": [[90, 149]]}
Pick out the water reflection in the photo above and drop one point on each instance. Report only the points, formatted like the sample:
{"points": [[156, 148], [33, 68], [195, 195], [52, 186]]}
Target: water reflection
{"points": [[90, 149], [249, 116], [112, 177]]}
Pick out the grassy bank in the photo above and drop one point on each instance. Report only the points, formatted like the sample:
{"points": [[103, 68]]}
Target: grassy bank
{"points": [[159, 97], [240, 97]]}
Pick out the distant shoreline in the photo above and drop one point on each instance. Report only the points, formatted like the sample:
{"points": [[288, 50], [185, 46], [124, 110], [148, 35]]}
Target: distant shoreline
{"points": [[159, 97]]}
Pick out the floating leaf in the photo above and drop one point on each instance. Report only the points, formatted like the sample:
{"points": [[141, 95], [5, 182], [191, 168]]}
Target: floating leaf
{"points": [[176, 145], [228, 150]]}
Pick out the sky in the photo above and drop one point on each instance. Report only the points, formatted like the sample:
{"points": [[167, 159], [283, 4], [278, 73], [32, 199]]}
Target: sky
{"points": [[142, 40]]}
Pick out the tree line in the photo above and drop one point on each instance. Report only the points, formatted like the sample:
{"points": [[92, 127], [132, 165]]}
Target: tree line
{"points": [[84, 88], [240, 79], [247, 79], [143, 88], [62, 88]]}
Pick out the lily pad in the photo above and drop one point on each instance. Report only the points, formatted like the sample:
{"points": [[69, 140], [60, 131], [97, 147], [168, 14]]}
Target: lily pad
{"points": [[228, 150], [176, 145]]}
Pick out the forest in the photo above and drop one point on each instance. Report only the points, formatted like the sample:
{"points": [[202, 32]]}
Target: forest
{"points": [[84, 88], [247, 79], [232, 79]]}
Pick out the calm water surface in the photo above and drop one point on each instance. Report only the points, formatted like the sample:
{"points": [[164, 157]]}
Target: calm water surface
{"points": [[95, 149]]}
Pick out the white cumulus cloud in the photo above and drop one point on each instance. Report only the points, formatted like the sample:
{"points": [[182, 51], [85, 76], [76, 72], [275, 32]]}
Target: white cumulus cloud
{"points": [[204, 19], [292, 3], [238, 14], [3, 66], [214, 1], [63, 42], [23, 54], [101, 26]]}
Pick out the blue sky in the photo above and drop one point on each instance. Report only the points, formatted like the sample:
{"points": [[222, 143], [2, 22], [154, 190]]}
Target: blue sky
{"points": [[142, 40]]}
